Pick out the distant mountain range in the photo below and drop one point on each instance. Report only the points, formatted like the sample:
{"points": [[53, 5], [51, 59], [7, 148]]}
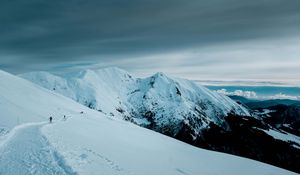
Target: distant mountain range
{"points": [[254, 103], [279, 113]]}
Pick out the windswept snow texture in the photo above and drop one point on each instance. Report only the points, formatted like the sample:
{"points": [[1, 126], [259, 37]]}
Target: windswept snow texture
{"points": [[27, 151], [157, 102], [89, 142]]}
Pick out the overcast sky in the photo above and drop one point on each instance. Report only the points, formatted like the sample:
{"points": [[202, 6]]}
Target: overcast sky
{"points": [[196, 39]]}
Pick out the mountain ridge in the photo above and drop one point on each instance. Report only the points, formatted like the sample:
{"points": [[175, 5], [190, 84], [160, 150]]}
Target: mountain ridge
{"points": [[158, 102]]}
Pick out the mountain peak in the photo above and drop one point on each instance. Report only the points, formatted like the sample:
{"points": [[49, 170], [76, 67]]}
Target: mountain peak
{"points": [[160, 74], [161, 77], [85, 73]]}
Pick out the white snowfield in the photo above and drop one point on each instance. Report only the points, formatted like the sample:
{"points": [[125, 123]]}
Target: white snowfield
{"points": [[91, 143]]}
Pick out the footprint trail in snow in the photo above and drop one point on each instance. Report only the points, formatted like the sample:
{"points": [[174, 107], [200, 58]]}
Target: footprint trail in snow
{"points": [[27, 151]]}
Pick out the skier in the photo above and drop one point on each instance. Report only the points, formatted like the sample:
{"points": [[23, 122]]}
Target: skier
{"points": [[64, 117], [50, 119]]}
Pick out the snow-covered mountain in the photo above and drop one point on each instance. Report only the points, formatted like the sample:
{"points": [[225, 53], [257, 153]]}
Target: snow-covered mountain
{"points": [[89, 142], [158, 102]]}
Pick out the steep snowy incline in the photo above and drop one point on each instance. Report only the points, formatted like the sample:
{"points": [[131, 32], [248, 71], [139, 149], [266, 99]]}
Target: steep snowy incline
{"points": [[158, 102], [91, 143], [22, 101]]}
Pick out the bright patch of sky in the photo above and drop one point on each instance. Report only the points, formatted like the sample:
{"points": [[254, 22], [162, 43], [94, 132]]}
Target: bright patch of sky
{"points": [[259, 92]]}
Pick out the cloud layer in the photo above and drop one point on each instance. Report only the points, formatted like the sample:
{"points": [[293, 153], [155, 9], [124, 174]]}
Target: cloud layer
{"points": [[197, 39], [247, 94], [253, 95]]}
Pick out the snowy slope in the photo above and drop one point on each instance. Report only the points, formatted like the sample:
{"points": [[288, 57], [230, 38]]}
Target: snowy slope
{"points": [[158, 102], [99, 90], [92, 143], [22, 101]]}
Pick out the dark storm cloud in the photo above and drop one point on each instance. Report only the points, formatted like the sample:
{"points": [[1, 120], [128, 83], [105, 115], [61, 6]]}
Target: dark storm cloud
{"points": [[44, 32]]}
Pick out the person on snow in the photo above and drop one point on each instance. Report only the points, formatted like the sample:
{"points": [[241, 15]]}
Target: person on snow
{"points": [[50, 119]]}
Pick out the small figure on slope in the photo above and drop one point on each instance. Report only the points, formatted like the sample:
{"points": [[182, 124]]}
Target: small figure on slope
{"points": [[50, 119]]}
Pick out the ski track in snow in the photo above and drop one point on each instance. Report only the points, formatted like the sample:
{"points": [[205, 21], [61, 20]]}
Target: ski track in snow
{"points": [[27, 151], [111, 163]]}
